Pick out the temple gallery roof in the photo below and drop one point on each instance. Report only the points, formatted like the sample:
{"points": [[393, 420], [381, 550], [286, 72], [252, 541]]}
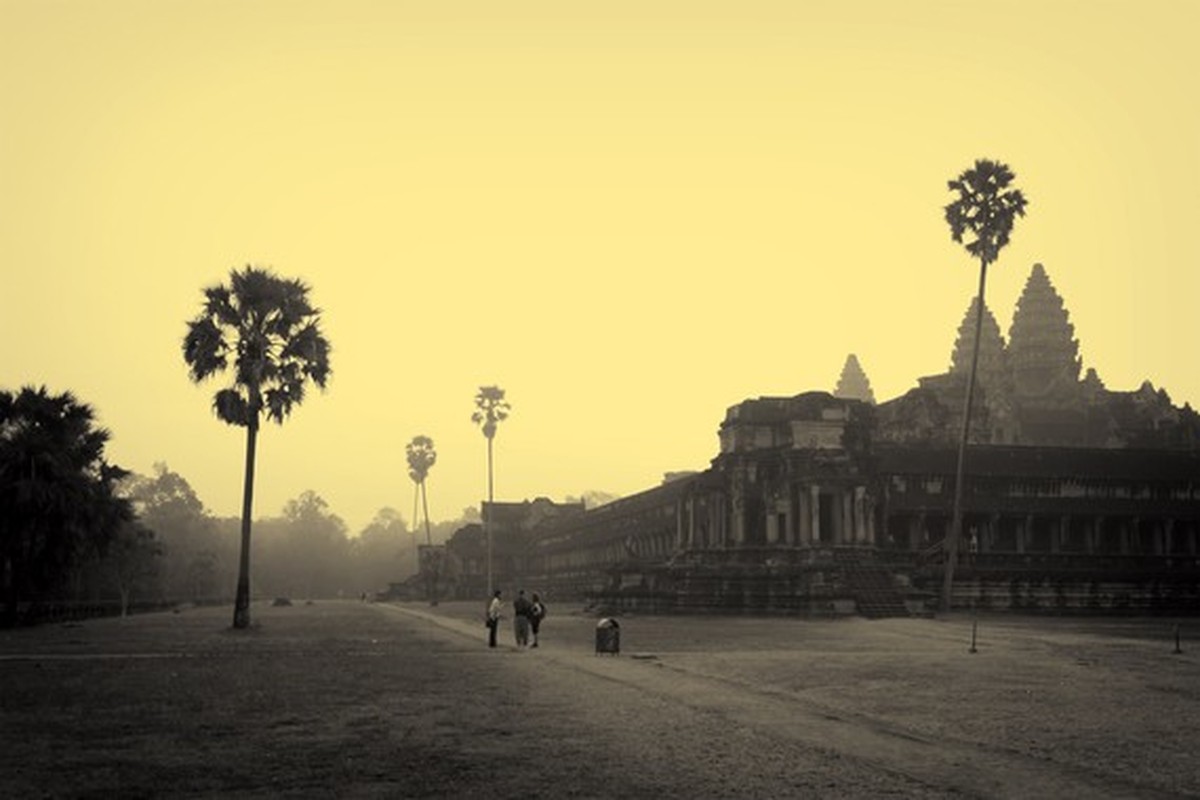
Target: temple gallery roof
{"points": [[1043, 462]]}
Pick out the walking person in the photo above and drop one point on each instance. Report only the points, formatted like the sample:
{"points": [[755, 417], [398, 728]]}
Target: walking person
{"points": [[493, 617], [537, 610], [521, 608]]}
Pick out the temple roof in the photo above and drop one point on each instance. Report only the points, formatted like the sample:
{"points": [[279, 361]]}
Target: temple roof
{"points": [[1043, 462]]}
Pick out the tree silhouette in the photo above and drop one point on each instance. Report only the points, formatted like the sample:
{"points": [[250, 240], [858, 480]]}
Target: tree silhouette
{"points": [[58, 497], [421, 458], [984, 213], [168, 505], [263, 329], [133, 558], [490, 410]]}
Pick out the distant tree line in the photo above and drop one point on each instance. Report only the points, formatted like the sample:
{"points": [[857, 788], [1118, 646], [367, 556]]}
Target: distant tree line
{"points": [[75, 529]]}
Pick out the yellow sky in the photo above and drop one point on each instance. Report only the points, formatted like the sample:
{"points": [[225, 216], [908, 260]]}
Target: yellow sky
{"points": [[630, 215]]}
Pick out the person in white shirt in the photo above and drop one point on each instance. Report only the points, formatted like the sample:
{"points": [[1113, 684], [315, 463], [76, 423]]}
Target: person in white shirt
{"points": [[493, 617]]}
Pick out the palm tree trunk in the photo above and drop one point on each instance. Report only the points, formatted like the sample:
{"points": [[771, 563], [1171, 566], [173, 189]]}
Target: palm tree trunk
{"points": [[415, 522], [416, 512], [487, 521], [955, 532], [431, 562], [241, 604], [425, 507]]}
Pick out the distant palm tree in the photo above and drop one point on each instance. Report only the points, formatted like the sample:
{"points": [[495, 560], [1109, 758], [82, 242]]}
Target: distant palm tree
{"points": [[491, 410], [986, 209], [421, 458], [266, 332]]}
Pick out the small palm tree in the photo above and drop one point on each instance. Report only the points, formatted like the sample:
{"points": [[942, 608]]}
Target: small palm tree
{"points": [[421, 458], [985, 210], [490, 410], [264, 330]]}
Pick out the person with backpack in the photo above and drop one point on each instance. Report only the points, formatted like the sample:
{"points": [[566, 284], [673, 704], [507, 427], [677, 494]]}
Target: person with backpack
{"points": [[521, 608], [537, 610], [493, 617]]}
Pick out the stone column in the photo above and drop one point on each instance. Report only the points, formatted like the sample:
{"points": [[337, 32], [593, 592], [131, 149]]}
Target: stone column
{"points": [[713, 528], [845, 534], [860, 522], [803, 516], [772, 522], [683, 507], [1023, 531], [691, 530], [814, 493], [737, 533], [716, 518], [871, 507], [789, 529], [1058, 536]]}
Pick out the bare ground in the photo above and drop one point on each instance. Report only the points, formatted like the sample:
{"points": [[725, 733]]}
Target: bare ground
{"points": [[345, 699]]}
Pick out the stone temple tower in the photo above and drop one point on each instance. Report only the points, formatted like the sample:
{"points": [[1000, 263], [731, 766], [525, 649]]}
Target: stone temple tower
{"points": [[993, 378], [993, 372], [1042, 350], [853, 385]]}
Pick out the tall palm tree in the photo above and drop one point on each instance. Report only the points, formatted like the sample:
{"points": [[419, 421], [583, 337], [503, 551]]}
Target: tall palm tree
{"points": [[490, 410], [985, 210], [421, 458], [266, 332]]}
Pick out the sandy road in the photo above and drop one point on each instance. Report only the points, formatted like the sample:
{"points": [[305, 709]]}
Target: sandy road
{"points": [[688, 731]]}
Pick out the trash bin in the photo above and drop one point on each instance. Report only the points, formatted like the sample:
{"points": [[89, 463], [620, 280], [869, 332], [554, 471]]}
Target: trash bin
{"points": [[608, 636]]}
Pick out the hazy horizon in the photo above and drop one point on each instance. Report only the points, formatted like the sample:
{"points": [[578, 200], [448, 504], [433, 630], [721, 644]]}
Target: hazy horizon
{"points": [[629, 216]]}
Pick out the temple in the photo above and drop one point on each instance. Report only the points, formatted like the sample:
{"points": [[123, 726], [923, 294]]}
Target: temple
{"points": [[1076, 498]]}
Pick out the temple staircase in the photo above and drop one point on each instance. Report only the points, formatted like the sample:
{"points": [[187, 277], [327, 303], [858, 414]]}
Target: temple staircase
{"points": [[872, 586]]}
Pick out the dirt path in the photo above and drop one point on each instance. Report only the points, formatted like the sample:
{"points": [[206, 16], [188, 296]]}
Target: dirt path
{"points": [[737, 738]]}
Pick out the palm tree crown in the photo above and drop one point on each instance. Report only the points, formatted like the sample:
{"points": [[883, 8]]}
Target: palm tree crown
{"points": [[491, 409], [267, 327], [421, 457], [984, 208]]}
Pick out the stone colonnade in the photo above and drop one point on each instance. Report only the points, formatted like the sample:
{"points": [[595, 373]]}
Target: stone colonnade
{"points": [[1088, 534], [806, 515]]}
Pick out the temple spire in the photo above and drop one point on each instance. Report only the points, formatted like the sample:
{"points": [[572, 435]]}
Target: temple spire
{"points": [[1042, 348], [993, 360], [853, 384]]}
